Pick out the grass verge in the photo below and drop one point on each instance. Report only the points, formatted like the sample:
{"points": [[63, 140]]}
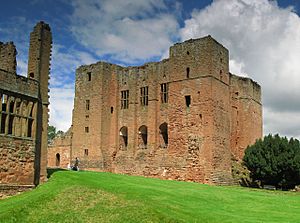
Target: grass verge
{"points": [[105, 197]]}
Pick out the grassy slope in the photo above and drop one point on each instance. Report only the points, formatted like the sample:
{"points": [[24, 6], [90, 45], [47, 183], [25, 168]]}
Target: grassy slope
{"points": [[106, 197]]}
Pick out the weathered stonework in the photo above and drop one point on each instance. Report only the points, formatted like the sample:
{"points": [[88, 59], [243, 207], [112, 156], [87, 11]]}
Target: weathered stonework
{"points": [[59, 150], [24, 112], [183, 118]]}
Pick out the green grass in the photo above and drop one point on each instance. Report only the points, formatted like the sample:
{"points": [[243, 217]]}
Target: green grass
{"points": [[105, 197]]}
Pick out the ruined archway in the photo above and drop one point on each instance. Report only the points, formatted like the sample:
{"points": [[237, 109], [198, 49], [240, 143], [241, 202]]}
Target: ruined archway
{"points": [[163, 131], [143, 137], [123, 137]]}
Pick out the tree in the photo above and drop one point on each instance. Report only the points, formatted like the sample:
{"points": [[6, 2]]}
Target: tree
{"points": [[51, 133], [274, 160]]}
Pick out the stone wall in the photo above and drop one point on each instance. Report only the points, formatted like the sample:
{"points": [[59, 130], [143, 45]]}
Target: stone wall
{"points": [[59, 151], [173, 119], [24, 111], [17, 158]]}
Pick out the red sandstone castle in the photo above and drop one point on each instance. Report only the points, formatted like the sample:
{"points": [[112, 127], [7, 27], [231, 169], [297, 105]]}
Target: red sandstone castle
{"points": [[183, 118]]}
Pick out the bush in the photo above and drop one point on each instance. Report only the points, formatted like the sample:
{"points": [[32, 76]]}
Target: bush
{"points": [[274, 160]]}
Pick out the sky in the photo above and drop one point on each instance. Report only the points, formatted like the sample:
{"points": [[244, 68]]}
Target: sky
{"points": [[263, 38]]}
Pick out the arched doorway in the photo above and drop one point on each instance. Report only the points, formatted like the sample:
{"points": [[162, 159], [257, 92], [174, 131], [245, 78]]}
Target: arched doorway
{"points": [[57, 159], [143, 137], [163, 130], [123, 137]]}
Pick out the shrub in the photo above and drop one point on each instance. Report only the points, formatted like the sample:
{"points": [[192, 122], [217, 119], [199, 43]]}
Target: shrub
{"points": [[274, 160]]}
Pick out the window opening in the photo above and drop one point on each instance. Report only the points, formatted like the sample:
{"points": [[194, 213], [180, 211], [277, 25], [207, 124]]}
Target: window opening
{"points": [[111, 110], [10, 125], [11, 106], [143, 137], [188, 100], [86, 129], [164, 92], [4, 101], [125, 99], [144, 96], [29, 129], [3, 119], [89, 74], [57, 159], [87, 105], [123, 137], [187, 72], [86, 152], [31, 75], [163, 130]]}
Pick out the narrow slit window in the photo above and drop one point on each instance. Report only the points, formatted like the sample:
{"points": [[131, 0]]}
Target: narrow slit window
{"points": [[86, 129], [87, 105], [188, 101], [86, 152], [89, 76], [187, 72]]}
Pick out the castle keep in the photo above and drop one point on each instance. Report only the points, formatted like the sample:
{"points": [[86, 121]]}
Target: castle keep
{"points": [[24, 111], [183, 118]]}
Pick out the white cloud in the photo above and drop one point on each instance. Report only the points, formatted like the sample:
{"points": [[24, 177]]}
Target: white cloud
{"points": [[61, 104], [264, 43], [127, 30]]}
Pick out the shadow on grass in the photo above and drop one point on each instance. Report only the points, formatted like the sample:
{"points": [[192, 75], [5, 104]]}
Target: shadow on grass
{"points": [[50, 171]]}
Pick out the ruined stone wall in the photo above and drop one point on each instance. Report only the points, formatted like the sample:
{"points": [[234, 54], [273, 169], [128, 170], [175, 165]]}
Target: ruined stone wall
{"points": [[59, 151], [39, 57], [16, 160], [17, 131], [8, 55], [196, 118], [24, 112], [246, 114]]}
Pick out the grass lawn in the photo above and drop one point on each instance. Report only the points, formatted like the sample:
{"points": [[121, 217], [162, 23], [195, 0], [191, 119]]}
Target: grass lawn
{"points": [[104, 197]]}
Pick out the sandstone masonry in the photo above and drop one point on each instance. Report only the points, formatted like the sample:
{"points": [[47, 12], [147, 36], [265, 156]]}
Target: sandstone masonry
{"points": [[183, 118], [24, 112]]}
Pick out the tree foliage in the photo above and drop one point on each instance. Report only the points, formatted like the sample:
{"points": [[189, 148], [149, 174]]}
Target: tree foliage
{"points": [[52, 133], [274, 160]]}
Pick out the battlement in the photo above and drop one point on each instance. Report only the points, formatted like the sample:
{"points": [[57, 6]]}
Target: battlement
{"points": [[245, 88], [8, 55]]}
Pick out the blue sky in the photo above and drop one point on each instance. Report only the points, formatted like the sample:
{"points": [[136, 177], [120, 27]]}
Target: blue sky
{"points": [[263, 38]]}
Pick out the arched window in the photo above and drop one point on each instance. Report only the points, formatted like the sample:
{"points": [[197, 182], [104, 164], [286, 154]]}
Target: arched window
{"points": [[143, 137], [57, 159], [163, 130], [123, 137]]}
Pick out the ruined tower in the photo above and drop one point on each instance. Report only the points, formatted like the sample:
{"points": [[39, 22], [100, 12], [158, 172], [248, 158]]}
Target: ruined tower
{"points": [[38, 69], [24, 111]]}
